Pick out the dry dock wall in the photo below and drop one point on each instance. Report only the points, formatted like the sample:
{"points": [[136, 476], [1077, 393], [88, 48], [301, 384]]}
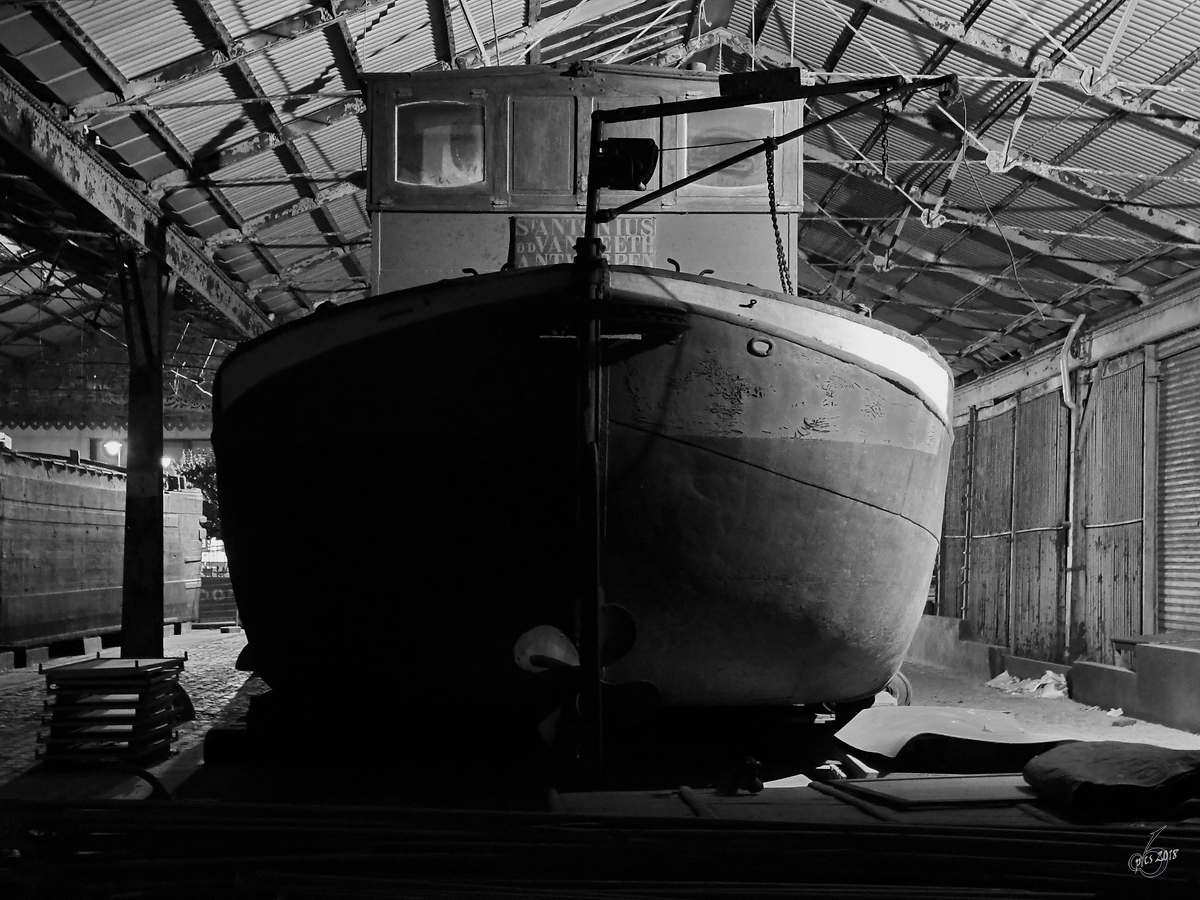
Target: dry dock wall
{"points": [[62, 542]]}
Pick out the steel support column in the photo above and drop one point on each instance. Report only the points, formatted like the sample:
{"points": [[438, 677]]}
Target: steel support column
{"points": [[146, 302]]}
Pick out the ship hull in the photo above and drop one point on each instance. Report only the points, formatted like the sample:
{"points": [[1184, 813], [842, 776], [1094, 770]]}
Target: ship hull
{"points": [[404, 476]]}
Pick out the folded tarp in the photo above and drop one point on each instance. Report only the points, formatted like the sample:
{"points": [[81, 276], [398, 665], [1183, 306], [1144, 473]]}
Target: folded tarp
{"points": [[1116, 780], [942, 739]]}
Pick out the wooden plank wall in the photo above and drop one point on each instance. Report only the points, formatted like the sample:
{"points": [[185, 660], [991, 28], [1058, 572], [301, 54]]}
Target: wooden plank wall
{"points": [[954, 528], [1040, 510], [1109, 561], [1007, 512], [991, 528]]}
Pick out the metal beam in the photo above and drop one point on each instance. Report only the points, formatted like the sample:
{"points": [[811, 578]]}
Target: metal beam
{"points": [[979, 221], [158, 127], [73, 289], [205, 62], [1078, 186], [17, 263], [1078, 291], [1014, 93], [1136, 191], [448, 30], [253, 226], [519, 42], [899, 293], [987, 282], [842, 44], [350, 46], [683, 52], [265, 142], [289, 275], [1062, 300], [1133, 330], [1082, 81], [960, 317], [999, 106], [329, 224], [53, 319], [27, 128], [289, 155], [928, 67], [760, 20]]}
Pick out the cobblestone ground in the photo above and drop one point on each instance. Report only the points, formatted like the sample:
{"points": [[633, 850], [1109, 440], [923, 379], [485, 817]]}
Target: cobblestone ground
{"points": [[209, 677]]}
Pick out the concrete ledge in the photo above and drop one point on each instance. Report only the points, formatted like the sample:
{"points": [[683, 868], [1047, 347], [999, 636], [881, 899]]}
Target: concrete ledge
{"points": [[1168, 686], [938, 642], [1165, 688], [28, 657], [1095, 684], [8, 660]]}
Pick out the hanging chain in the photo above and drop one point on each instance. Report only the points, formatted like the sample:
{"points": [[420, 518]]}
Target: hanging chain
{"points": [[886, 120], [785, 277]]}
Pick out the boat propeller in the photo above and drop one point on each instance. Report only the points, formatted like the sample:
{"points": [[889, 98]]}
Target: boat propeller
{"points": [[545, 651]]}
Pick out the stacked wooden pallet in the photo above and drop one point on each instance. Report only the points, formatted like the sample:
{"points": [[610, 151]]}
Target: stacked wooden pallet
{"points": [[110, 710]]}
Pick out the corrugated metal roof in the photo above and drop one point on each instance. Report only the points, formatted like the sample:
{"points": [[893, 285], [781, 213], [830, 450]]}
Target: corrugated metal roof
{"points": [[305, 65], [397, 39], [240, 17], [491, 19], [350, 213], [630, 30], [814, 35], [138, 36], [878, 47], [258, 185], [339, 148], [213, 123], [293, 240]]}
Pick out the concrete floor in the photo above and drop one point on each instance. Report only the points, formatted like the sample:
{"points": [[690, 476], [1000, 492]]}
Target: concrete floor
{"points": [[209, 677], [214, 685], [933, 686]]}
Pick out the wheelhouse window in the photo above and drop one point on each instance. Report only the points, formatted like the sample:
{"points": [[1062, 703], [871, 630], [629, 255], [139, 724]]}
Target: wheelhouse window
{"points": [[439, 144], [717, 135]]}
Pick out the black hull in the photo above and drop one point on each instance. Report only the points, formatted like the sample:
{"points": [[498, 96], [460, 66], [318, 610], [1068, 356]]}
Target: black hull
{"points": [[771, 553]]}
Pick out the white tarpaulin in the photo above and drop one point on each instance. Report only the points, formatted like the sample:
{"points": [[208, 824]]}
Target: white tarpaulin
{"points": [[886, 730]]}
